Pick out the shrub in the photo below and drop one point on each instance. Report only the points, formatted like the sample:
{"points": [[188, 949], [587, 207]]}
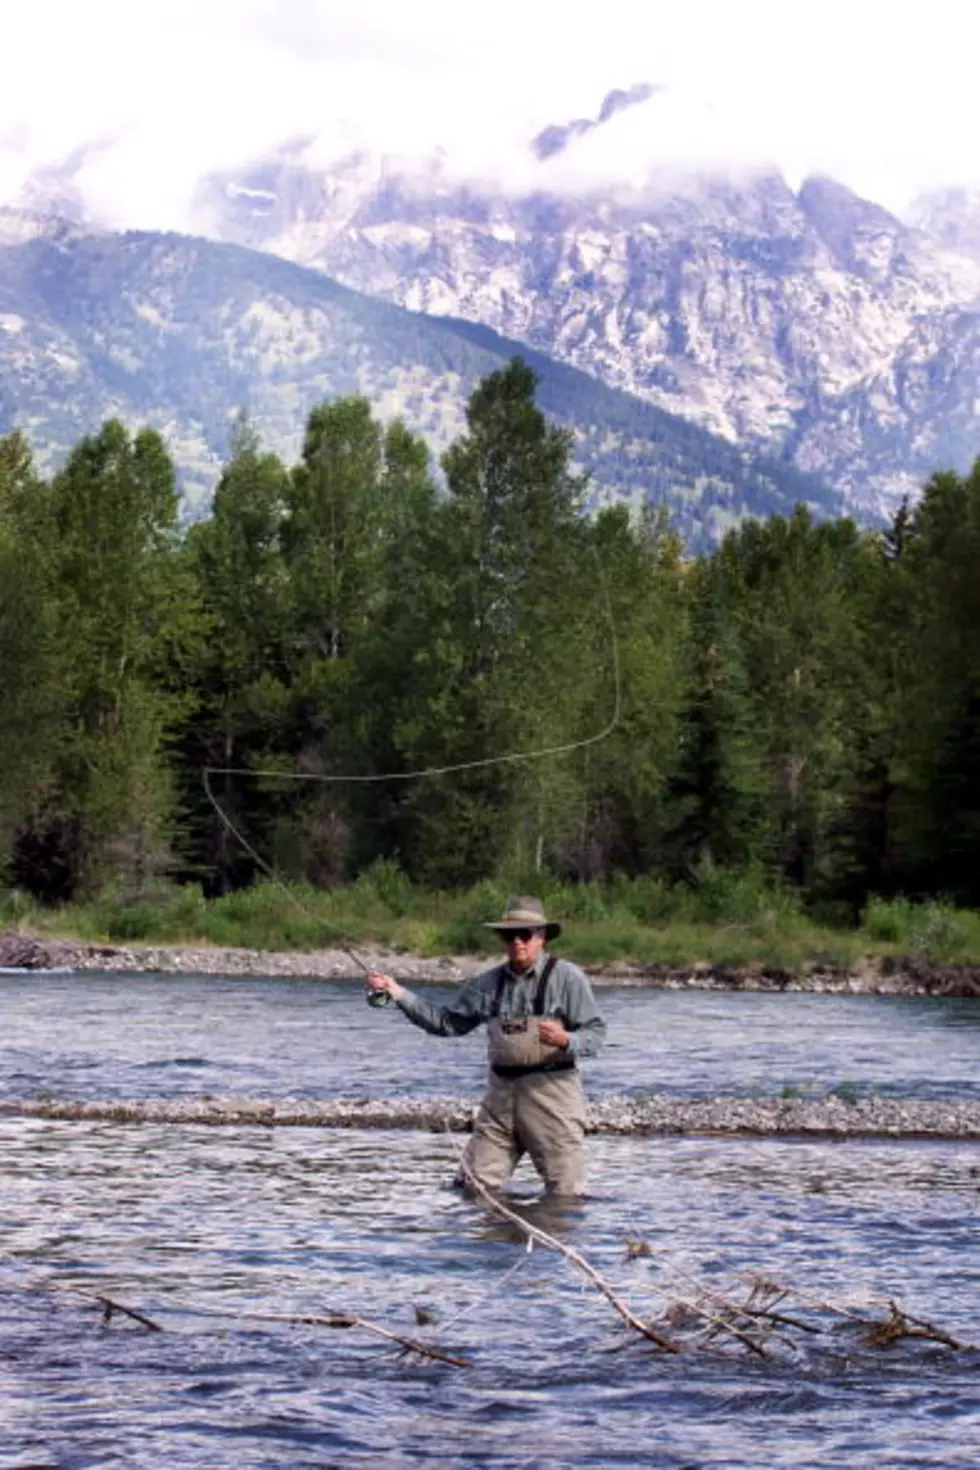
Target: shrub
{"points": [[888, 921], [385, 881]]}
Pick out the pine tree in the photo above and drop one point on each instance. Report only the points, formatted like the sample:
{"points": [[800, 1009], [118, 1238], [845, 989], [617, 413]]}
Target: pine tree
{"points": [[496, 673], [718, 794], [30, 711], [240, 674], [122, 610]]}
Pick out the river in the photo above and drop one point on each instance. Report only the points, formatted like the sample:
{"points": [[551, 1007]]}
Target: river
{"points": [[200, 1226]]}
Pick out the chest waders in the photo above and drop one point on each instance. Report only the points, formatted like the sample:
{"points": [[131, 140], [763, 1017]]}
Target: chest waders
{"points": [[534, 1103]]}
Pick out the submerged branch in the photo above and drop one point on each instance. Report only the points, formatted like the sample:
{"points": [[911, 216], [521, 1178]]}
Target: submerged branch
{"points": [[550, 1242], [350, 1319]]}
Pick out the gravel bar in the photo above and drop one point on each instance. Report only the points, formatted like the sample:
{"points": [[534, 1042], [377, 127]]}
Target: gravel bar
{"points": [[829, 1117], [875, 975]]}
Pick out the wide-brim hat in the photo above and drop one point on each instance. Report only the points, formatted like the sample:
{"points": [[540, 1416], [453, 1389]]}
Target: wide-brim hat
{"points": [[525, 913]]}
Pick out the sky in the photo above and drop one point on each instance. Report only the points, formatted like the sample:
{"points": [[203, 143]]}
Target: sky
{"points": [[148, 96]]}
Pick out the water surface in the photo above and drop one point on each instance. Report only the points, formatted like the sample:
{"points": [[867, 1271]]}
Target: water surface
{"points": [[122, 1036], [198, 1226]]}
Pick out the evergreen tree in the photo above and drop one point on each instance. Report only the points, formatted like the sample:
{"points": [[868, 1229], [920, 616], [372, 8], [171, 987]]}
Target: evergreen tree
{"points": [[718, 795], [938, 808], [30, 712], [504, 582], [121, 611], [633, 597], [240, 675]]}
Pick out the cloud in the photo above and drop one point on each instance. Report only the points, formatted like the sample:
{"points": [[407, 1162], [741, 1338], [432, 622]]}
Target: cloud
{"points": [[878, 95]]}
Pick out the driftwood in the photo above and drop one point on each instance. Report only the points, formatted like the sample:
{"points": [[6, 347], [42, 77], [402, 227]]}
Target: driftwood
{"points": [[111, 1307], [758, 1317], [754, 1315], [340, 1319], [109, 1304], [550, 1242]]}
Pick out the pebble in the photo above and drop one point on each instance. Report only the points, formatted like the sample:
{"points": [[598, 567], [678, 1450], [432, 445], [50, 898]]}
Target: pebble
{"points": [[879, 975], [831, 1117]]}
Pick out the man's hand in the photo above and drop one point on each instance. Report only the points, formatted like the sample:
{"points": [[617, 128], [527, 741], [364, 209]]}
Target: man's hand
{"points": [[378, 981], [552, 1032]]}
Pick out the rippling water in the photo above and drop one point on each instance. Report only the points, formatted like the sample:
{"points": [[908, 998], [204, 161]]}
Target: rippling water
{"points": [[143, 1036], [198, 1225]]}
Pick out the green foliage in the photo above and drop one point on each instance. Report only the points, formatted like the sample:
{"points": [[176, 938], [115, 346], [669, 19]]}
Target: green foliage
{"points": [[117, 607], [784, 728], [31, 706], [932, 932]]}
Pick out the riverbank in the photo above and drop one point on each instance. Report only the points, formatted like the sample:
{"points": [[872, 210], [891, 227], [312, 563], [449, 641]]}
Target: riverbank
{"points": [[871, 975], [739, 1117]]}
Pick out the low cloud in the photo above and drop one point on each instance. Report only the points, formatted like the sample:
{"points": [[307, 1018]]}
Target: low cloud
{"points": [[132, 104]]}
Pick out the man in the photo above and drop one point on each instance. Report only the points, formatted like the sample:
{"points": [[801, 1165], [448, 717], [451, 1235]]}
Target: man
{"points": [[541, 1016]]}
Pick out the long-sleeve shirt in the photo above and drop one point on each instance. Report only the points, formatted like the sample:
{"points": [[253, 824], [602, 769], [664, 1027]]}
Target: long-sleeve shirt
{"points": [[569, 999]]}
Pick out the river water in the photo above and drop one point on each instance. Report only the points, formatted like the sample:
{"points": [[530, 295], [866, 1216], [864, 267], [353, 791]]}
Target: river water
{"points": [[199, 1227]]}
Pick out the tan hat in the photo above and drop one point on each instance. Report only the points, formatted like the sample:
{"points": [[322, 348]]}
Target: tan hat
{"points": [[523, 912]]}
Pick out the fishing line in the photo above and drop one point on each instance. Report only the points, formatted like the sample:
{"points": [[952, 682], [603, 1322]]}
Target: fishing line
{"points": [[545, 752]]}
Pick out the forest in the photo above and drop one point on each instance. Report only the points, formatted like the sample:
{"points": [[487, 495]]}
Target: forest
{"points": [[801, 703]]}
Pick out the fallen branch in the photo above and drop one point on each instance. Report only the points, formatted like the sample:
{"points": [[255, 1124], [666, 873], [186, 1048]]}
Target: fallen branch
{"points": [[349, 1319], [720, 1324], [110, 1306], [901, 1324], [551, 1243]]}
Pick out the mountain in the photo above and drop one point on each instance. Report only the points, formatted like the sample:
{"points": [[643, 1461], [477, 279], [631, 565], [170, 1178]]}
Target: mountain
{"points": [[812, 326], [951, 217], [556, 138], [181, 332]]}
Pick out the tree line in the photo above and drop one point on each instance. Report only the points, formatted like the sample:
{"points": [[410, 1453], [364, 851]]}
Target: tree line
{"points": [[804, 700]]}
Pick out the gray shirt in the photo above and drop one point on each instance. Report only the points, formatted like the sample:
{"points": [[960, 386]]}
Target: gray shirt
{"points": [[569, 999]]}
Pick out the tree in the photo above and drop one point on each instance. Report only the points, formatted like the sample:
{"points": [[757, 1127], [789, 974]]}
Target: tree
{"points": [[937, 807], [121, 609], [241, 672], [630, 644], [494, 672], [790, 587], [719, 789], [30, 713]]}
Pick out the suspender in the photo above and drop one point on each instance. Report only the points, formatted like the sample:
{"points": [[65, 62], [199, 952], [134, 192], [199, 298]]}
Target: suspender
{"points": [[543, 985], [539, 994]]}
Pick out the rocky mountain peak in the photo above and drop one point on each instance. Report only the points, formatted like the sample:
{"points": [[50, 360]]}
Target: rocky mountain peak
{"points": [[951, 217], [862, 236], [814, 326], [555, 138]]}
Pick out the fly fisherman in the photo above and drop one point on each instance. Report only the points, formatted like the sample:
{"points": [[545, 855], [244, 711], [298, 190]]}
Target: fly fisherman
{"points": [[541, 1016]]}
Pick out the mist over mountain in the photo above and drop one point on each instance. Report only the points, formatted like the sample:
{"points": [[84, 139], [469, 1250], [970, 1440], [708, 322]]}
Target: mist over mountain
{"points": [[810, 328], [810, 325]]}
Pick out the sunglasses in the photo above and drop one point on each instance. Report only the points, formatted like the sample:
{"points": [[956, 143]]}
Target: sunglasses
{"points": [[523, 934]]}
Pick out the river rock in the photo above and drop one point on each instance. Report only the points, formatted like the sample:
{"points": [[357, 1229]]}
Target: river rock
{"points": [[878, 975], [827, 1117]]}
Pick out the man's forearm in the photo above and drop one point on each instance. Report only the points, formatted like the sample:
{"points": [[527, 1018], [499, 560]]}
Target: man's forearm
{"points": [[436, 1020]]}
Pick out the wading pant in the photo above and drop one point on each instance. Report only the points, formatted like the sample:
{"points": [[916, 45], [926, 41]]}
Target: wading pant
{"points": [[542, 1115]]}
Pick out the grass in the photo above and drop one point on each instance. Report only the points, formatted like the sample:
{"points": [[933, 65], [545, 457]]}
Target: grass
{"points": [[727, 919]]}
